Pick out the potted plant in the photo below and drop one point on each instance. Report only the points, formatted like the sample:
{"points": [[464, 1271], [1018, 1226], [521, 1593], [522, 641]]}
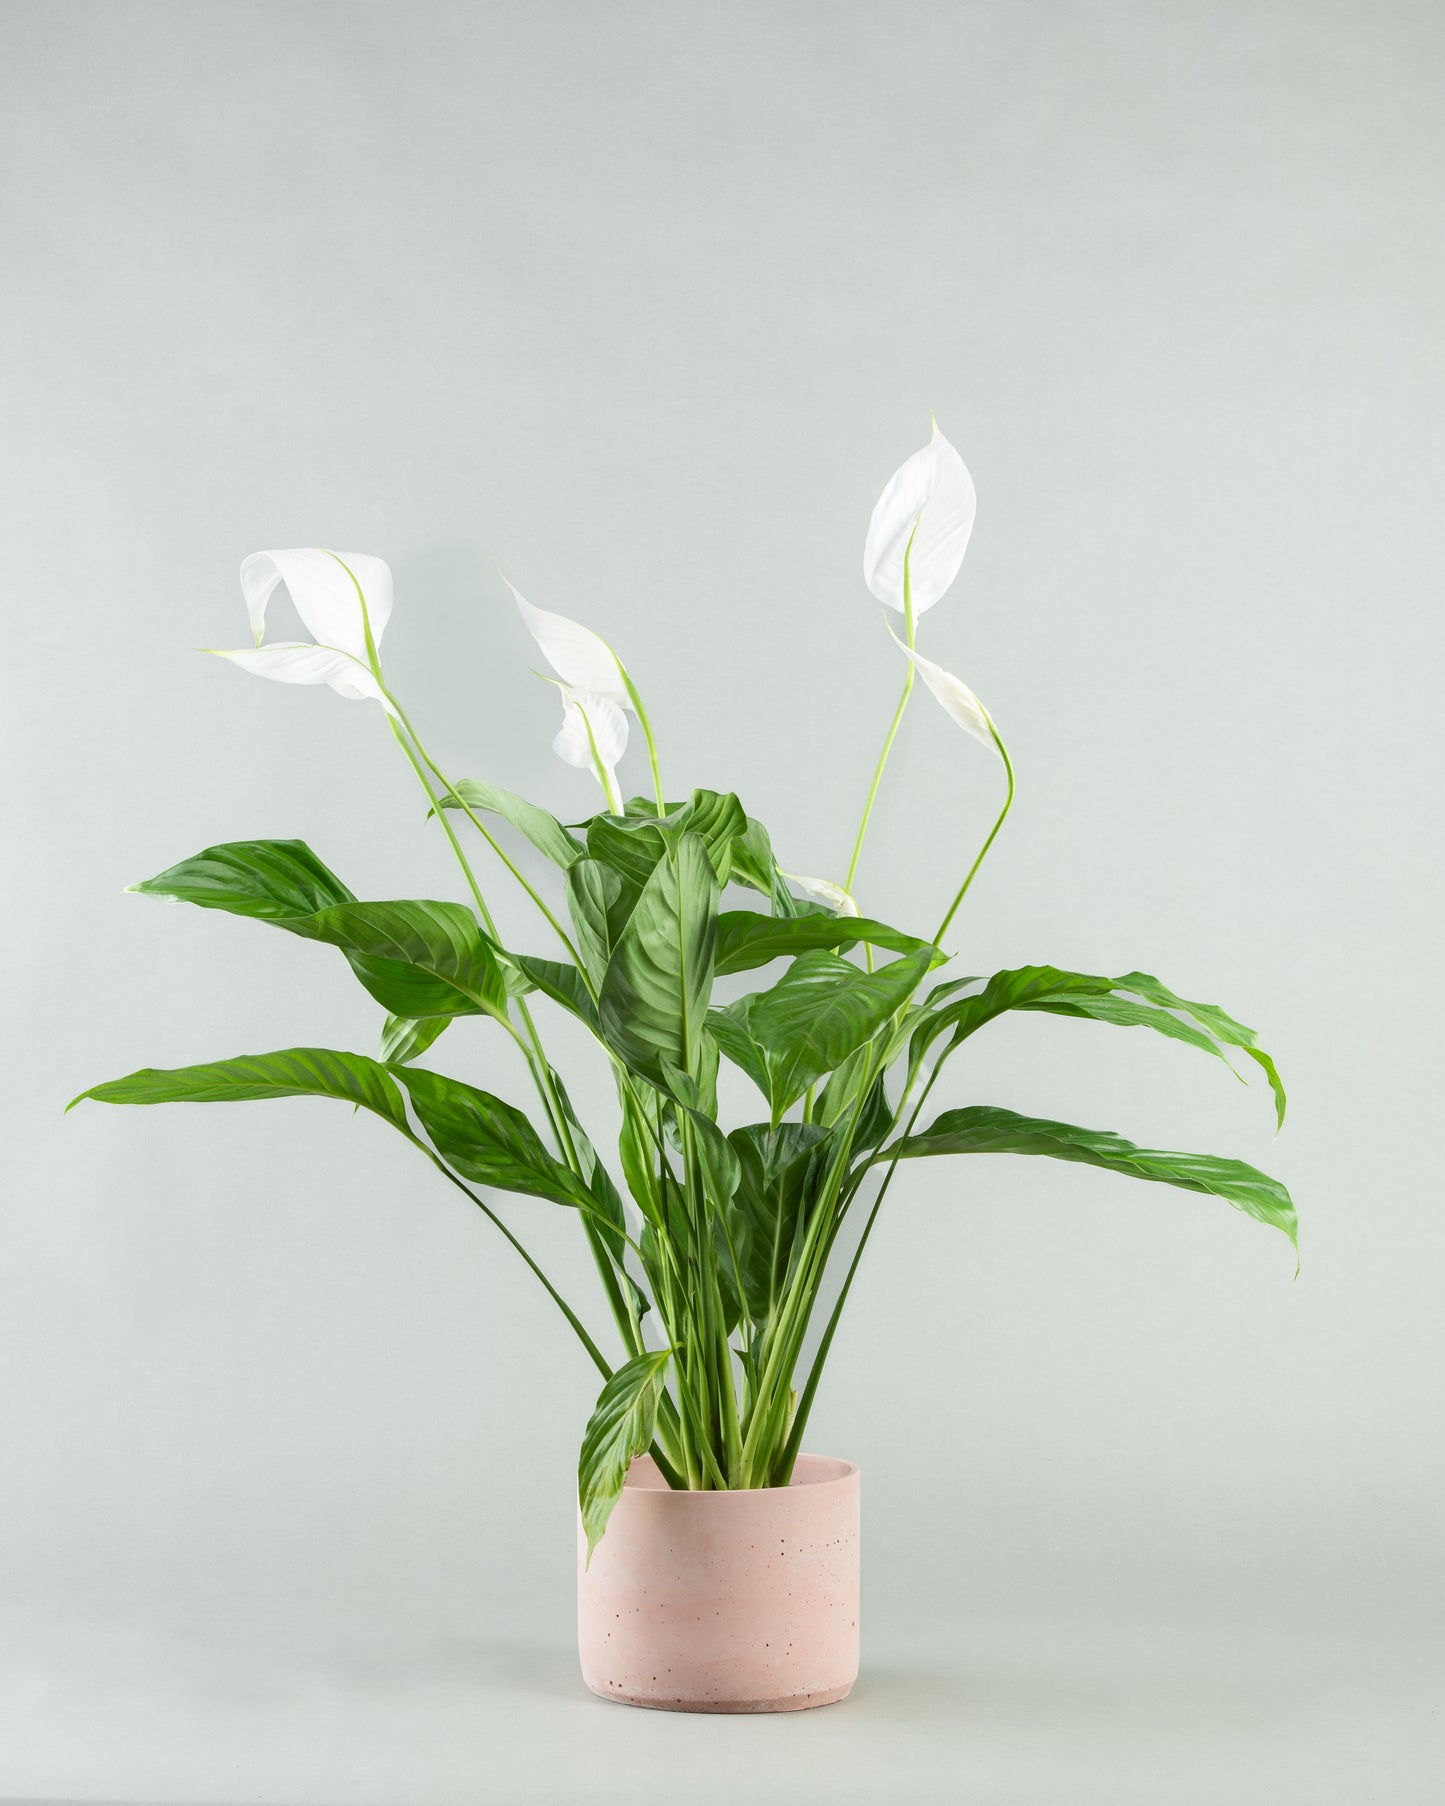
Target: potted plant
{"points": [[728, 1576]]}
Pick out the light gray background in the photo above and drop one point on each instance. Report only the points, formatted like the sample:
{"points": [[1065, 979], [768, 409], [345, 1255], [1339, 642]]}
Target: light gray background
{"points": [[647, 303]]}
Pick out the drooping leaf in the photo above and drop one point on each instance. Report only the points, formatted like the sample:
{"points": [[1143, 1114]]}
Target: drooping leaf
{"points": [[544, 831], [654, 997], [1086, 995], [746, 940], [983, 1129], [404, 1038], [416, 958], [292, 1072], [487, 1140], [1216, 1022], [619, 1429], [277, 881]]}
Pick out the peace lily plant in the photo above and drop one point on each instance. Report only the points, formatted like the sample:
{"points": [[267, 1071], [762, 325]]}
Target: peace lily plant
{"points": [[714, 1251]]}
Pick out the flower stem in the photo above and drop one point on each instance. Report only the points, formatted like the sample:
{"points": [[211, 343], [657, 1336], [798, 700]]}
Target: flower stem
{"points": [[943, 926]]}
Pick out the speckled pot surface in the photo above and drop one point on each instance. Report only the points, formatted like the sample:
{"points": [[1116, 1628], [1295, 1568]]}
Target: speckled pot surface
{"points": [[724, 1601]]}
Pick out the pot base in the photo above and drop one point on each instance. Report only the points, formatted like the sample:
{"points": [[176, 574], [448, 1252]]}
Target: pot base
{"points": [[791, 1702]]}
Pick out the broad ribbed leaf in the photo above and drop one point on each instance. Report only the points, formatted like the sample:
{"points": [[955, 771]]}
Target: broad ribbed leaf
{"points": [[403, 1038], [561, 982], [416, 958], [275, 881], [293, 1072], [544, 831], [819, 1011], [777, 1171], [654, 998], [599, 904], [746, 940], [487, 1140], [983, 1129], [619, 1429]]}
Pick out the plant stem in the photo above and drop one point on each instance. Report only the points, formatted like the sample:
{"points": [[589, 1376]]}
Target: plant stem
{"points": [[815, 1373], [635, 699], [943, 926], [910, 629]]}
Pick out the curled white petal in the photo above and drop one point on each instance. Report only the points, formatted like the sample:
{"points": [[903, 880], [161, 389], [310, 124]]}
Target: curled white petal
{"points": [[931, 498], [823, 890], [325, 596], [581, 658], [584, 709], [959, 702], [293, 662]]}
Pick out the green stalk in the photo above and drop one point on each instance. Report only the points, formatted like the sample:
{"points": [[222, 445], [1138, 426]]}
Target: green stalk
{"points": [[893, 726], [635, 699], [815, 1373], [943, 926]]}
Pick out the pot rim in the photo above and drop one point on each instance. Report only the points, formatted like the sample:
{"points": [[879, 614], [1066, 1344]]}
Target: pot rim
{"points": [[643, 1476]]}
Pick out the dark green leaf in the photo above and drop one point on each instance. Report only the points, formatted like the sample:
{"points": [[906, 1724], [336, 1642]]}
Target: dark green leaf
{"points": [[746, 940], [270, 880], [1216, 1022], [778, 1171], [619, 1429], [416, 958], [293, 1072], [488, 1141], [819, 1011], [563, 984], [983, 1129], [654, 997], [599, 904], [544, 831]]}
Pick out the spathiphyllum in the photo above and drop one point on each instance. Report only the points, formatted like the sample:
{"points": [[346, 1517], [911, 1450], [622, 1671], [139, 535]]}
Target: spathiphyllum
{"points": [[719, 1246]]}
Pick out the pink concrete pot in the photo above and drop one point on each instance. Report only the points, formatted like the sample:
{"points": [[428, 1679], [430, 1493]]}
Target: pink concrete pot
{"points": [[724, 1601]]}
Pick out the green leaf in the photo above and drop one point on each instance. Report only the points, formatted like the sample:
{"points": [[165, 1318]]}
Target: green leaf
{"points": [[416, 958], [563, 984], [982, 1129], [746, 940], [293, 1072], [654, 997], [488, 1141], [273, 881], [599, 904], [819, 1011], [777, 1170], [1216, 1022], [544, 831], [1086, 995], [619, 1429], [403, 1038]]}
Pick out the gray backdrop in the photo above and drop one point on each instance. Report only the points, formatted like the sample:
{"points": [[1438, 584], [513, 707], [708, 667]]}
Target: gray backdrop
{"points": [[646, 303]]}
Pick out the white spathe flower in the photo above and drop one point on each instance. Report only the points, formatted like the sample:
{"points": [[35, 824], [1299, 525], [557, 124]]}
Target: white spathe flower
{"points": [[329, 591], [959, 702], [929, 499], [599, 750], [823, 890], [582, 659]]}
